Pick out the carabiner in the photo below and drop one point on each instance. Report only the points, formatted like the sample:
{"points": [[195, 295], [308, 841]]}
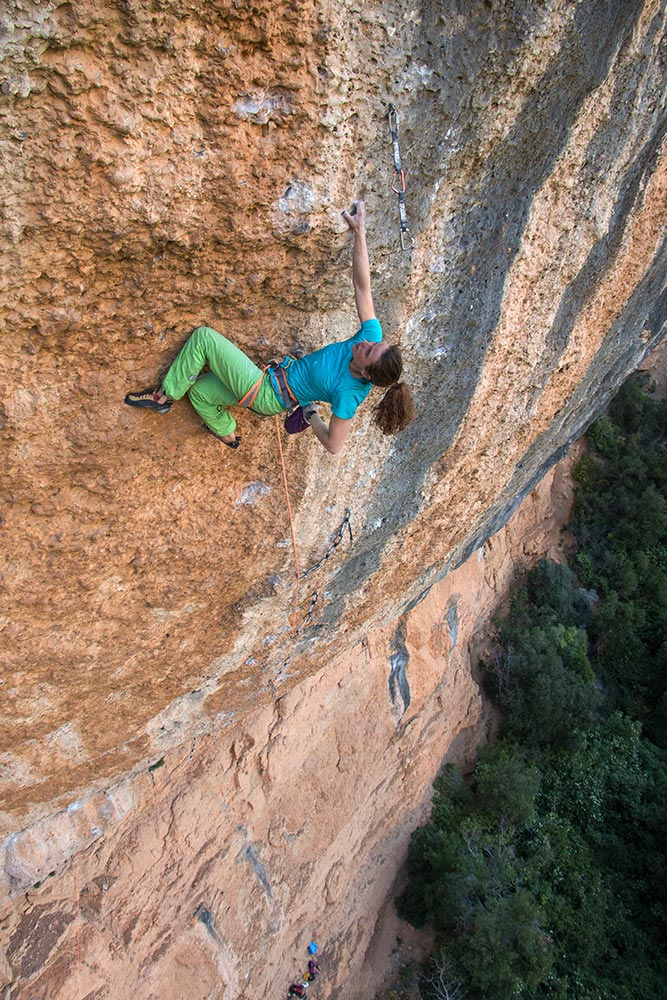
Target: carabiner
{"points": [[392, 114]]}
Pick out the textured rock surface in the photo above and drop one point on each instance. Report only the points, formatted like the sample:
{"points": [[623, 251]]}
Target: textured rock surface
{"points": [[208, 876], [166, 164]]}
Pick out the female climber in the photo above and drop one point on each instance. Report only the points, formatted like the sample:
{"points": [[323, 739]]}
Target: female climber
{"points": [[341, 374]]}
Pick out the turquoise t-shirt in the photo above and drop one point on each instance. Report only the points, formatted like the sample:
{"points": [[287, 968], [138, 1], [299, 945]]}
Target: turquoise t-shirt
{"points": [[325, 375]]}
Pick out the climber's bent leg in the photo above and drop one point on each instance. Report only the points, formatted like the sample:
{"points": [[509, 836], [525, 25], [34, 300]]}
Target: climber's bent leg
{"points": [[205, 346], [210, 399]]}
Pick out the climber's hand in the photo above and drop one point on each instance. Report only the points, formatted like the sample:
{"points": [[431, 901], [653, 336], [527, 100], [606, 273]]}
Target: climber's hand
{"points": [[309, 411], [356, 217]]}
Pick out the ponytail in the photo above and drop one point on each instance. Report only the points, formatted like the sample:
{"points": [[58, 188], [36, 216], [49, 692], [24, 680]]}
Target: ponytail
{"points": [[397, 407], [395, 410]]}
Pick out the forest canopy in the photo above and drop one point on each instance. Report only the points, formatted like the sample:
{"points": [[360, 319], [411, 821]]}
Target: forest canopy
{"points": [[544, 871]]}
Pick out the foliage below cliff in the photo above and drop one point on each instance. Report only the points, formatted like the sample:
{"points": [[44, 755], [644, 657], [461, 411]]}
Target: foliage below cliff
{"points": [[545, 872]]}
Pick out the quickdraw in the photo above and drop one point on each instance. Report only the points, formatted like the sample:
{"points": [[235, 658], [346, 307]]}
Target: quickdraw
{"points": [[407, 240], [340, 534]]}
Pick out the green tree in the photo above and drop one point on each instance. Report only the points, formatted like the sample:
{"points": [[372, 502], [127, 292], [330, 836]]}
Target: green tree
{"points": [[505, 785], [505, 949], [545, 870], [543, 682]]}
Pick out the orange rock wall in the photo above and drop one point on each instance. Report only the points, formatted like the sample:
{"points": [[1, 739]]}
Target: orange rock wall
{"points": [[209, 875], [165, 164]]}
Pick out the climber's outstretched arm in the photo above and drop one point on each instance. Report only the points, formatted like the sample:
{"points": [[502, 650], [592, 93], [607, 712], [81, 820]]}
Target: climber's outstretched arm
{"points": [[361, 270], [333, 435]]}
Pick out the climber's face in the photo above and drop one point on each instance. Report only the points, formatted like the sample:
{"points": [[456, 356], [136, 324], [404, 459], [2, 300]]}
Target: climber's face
{"points": [[367, 352]]}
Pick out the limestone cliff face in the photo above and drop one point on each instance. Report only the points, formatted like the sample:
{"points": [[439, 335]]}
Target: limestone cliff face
{"points": [[207, 877], [168, 164]]}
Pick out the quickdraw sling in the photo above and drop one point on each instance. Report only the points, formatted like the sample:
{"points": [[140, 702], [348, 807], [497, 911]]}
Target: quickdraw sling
{"points": [[407, 239]]}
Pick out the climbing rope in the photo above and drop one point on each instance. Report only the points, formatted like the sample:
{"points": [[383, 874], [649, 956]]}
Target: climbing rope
{"points": [[291, 521], [407, 240], [315, 596]]}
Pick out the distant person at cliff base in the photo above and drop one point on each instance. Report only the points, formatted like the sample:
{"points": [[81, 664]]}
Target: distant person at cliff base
{"points": [[341, 374], [313, 970]]}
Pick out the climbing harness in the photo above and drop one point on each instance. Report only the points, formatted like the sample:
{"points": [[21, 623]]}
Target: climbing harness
{"points": [[407, 240], [278, 369], [251, 394], [295, 422]]}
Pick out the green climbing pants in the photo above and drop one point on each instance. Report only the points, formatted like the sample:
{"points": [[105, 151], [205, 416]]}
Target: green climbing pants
{"points": [[231, 375]]}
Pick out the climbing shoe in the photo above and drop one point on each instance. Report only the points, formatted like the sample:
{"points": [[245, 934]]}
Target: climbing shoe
{"points": [[149, 399], [230, 444]]}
